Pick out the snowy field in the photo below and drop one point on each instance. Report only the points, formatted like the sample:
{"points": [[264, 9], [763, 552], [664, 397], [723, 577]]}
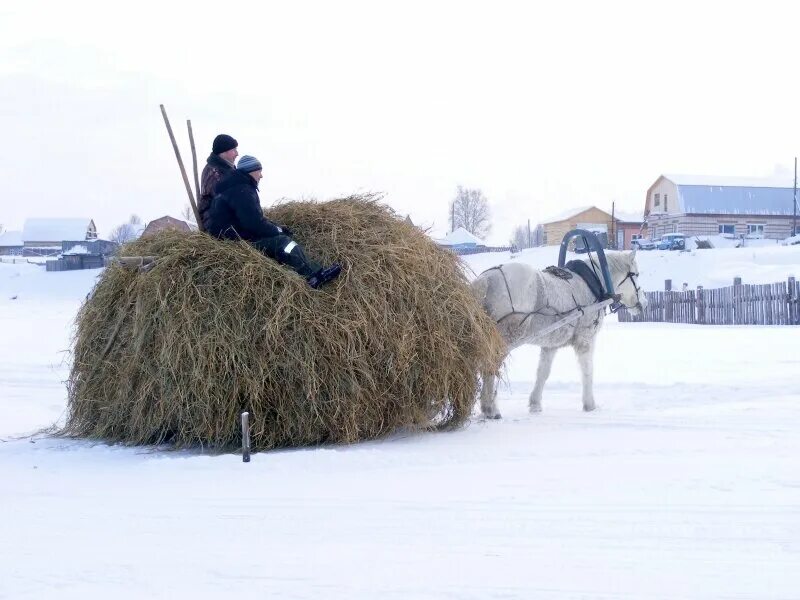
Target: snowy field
{"points": [[684, 484]]}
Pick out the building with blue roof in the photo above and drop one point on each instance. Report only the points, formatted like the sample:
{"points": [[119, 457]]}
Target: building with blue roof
{"points": [[736, 206]]}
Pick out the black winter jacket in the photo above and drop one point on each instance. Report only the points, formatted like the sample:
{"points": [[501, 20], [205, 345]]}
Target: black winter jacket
{"points": [[216, 168], [236, 211]]}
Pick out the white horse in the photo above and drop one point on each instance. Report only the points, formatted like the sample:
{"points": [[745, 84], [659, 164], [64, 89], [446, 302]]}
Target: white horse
{"points": [[523, 301]]}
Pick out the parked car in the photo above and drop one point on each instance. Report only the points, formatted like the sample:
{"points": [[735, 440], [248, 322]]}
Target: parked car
{"points": [[580, 248], [643, 244], [672, 241]]}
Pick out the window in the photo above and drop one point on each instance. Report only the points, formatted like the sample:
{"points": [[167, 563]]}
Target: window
{"points": [[726, 228], [665, 204], [755, 229], [636, 236], [657, 200]]}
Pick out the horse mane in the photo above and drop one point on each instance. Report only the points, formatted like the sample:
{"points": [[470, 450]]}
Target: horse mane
{"points": [[618, 262]]}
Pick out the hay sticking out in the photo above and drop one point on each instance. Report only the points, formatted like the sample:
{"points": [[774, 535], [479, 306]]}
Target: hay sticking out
{"points": [[214, 328]]}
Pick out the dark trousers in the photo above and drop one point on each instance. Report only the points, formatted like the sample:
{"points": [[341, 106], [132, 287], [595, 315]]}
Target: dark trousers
{"points": [[276, 248]]}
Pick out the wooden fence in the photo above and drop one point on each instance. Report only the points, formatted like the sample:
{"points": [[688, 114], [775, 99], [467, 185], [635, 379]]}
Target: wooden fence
{"points": [[739, 304], [72, 262]]}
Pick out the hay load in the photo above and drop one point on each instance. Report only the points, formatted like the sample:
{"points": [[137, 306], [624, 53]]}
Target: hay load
{"points": [[174, 354]]}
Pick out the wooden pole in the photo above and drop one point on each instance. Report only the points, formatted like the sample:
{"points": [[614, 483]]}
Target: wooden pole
{"points": [[180, 164], [134, 261], [245, 437], [612, 243], [794, 207], [701, 308], [194, 166]]}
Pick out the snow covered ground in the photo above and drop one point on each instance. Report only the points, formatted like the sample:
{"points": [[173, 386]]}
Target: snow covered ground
{"points": [[684, 484]]}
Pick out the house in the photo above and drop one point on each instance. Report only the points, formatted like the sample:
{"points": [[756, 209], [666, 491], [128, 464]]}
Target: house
{"points": [[44, 237], [628, 227], [703, 205], [461, 239], [166, 222], [585, 217], [11, 243]]}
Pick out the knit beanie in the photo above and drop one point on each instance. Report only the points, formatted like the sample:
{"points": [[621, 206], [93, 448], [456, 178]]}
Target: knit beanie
{"points": [[223, 143], [248, 164]]}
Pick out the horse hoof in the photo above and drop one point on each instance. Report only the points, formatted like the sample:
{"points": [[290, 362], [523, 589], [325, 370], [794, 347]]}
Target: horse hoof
{"points": [[494, 416], [535, 408], [589, 408]]}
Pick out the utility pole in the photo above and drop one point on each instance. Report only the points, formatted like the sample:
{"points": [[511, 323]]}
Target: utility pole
{"points": [[613, 240], [794, 213], [453, 216], [529, 233]]}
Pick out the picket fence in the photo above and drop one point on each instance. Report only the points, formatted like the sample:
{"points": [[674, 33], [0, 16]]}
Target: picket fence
{"points": [[739, 304]]}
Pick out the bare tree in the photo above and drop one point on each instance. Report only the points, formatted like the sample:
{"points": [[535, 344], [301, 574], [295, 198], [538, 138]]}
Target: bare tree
{"points": [[470, 210], [2, 229], [188, 214], [537, 236], [526, 237], [122, 234], [127, 231], [521, 238]]}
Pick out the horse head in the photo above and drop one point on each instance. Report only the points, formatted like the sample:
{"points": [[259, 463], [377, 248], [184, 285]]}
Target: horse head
{"points": [[625, 272]]}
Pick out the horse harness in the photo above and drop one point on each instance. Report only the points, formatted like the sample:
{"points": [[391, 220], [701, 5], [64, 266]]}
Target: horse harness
{"points": [[572, 268], [558, 272], [590, 276]]}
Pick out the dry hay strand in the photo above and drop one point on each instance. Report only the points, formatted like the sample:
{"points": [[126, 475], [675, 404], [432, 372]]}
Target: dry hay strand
{"points": [[176, 353]]}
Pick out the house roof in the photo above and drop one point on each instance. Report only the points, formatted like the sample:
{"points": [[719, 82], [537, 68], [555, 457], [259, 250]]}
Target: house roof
{"points": [[573, 212], [166, 222], [462, 236], [695, 199], [55, 230], [721, 181], [628, 217], [10, 239], [699, 194]]}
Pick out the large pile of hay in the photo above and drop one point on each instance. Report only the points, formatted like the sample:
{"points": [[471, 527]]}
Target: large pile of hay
{"points": [[176, 353]]}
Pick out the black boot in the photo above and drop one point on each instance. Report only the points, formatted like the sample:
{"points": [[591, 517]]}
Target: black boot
{"points": [[323, 276]]}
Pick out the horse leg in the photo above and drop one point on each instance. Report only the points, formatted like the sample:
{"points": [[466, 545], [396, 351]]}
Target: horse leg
{"points": [[585, 353], [546, 357], [489, 397]]}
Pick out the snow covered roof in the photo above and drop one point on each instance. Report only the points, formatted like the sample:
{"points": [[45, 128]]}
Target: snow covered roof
{"points": [[718, 181], [77, 249], [629, 217], [698, 199], [55, 230], [567, 214], [11, 238], [461, 236]]}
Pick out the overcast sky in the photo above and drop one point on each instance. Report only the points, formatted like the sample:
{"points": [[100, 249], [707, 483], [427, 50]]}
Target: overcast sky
{"points": [[542, 107]]}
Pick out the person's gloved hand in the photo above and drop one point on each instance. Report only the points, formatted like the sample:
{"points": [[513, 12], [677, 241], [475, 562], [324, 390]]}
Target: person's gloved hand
{"points": [[286, 230]]}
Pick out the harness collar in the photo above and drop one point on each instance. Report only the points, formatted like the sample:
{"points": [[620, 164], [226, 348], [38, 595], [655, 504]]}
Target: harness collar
{"points": [[585, 272]]}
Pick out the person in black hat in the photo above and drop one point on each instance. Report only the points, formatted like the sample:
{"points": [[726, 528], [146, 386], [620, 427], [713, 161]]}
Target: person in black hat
{"points": [[236, 213], [220, 163]]}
